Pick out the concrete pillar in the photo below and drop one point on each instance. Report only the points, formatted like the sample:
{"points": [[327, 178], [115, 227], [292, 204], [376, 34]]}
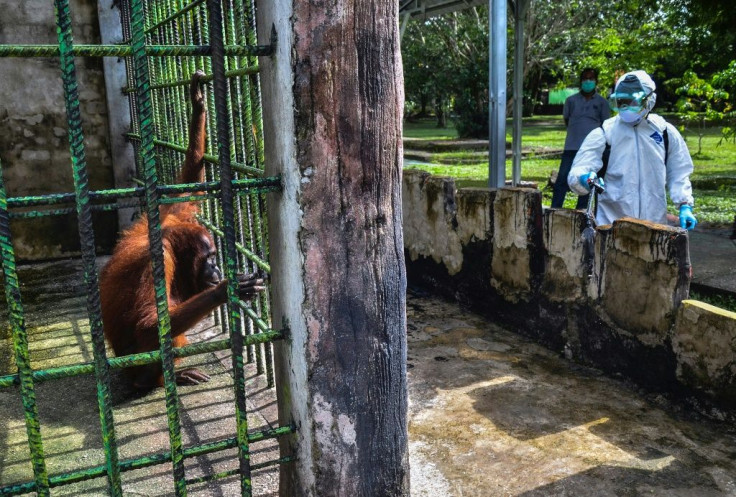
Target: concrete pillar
{"points": [[332, 98], [565, 277], [704, 341], [645, 278], [118, 110], [518, 246]]}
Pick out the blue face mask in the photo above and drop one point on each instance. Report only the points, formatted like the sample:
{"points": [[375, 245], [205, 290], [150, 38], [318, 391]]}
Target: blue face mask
{"points": [[587, 85]]}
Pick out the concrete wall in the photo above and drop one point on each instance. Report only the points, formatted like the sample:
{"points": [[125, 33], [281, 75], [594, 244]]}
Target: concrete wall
{"points": [[522, 266], [34, 149]]}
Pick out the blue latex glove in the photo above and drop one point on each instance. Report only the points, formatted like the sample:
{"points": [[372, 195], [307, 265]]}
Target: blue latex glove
{"points": [[590, 179], [687, 220]]}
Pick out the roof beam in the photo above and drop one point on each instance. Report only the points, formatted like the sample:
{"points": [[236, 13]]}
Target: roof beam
{"points": [[432, 8]]}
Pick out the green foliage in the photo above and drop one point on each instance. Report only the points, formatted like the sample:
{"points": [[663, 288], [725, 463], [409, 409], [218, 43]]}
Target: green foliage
{"points": [[699, 102], [706, 28], [723, 301], [425, 66], [726, 80], [446, 58], [446, 65], [714, 177]]}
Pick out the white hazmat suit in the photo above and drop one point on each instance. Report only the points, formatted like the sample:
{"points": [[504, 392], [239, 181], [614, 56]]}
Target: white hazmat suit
{"points": [[637, 176]]}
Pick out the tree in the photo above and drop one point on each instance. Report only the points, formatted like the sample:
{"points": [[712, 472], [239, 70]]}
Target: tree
{"points": [[699, 103], [446, 60], [425, 72], [707, 30], [726, 80], [664, 37]]}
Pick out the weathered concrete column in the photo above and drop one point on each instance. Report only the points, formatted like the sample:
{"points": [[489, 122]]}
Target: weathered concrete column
{"points": [[646, 277], [333, 96], [704, 341], [118, 109], [518, 245], [565, 277]]}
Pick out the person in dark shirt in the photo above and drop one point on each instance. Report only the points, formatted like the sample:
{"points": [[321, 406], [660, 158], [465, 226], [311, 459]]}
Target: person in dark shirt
{"points": [[583, 112]]}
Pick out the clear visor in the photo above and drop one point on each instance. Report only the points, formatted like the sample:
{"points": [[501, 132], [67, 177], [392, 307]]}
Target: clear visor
{"points": [[627, 101]]}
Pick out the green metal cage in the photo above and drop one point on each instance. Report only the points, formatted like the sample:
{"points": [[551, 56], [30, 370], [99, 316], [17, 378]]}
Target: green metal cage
{"points": [[165, 42]]}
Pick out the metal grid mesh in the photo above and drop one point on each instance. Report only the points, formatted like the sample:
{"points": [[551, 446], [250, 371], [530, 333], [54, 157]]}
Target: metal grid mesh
{"points": [[166, 41]]}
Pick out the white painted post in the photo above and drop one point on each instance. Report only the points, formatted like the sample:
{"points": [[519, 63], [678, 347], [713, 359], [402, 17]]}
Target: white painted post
{"points": [[118, 110]]}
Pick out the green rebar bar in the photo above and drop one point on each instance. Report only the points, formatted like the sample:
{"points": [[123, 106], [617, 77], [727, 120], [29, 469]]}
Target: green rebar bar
{"points": [[73, 210], [224, 151], [158, 106], [20, 345], [176, 72], [175, 15], [212, 210], [213, 159], [241, 120], [174, 105], [87, 243], [152, 460], [251, 102], [156, 244], [243, 186], [140, 359], [29, 51], [256, 84], [260, 323], [243, 250], [130, 203], [233, 472]]}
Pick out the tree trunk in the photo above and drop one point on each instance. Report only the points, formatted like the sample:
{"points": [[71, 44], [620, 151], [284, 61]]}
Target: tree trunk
{"points": [[424, 99], [337, 244], [439, 111]]}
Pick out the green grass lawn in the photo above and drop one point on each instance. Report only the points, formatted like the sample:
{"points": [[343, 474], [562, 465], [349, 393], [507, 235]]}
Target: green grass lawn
{"points": [[714, 177]]}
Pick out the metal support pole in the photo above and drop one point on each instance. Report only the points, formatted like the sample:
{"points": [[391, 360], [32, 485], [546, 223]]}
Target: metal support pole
{"points": [[519, 13], [497, 95], [404, 22]]}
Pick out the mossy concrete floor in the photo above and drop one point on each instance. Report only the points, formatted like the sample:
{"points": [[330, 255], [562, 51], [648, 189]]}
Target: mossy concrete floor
{"points": [[55, 307], [492, 414]]}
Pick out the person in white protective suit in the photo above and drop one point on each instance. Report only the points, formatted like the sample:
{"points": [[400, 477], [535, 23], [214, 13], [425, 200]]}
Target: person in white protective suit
{"points": [[639, 167]]}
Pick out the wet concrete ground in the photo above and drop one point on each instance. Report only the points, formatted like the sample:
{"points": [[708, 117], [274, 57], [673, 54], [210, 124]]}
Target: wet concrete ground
{"points": [[492, 414], [713, 256]]}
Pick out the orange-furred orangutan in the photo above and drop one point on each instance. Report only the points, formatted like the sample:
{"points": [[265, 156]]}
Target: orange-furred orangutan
{"points": [[194, 284]]}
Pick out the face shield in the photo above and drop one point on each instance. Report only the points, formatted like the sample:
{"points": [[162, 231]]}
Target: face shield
{"points": [[631, 99]]}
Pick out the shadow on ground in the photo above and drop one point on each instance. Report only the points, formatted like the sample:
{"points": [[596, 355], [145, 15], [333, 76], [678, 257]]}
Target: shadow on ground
{"points": [[492, 414]]}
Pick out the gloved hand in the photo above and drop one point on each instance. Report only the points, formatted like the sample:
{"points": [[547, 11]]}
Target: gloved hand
{"points": [[590, 179], [687, 220]]}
